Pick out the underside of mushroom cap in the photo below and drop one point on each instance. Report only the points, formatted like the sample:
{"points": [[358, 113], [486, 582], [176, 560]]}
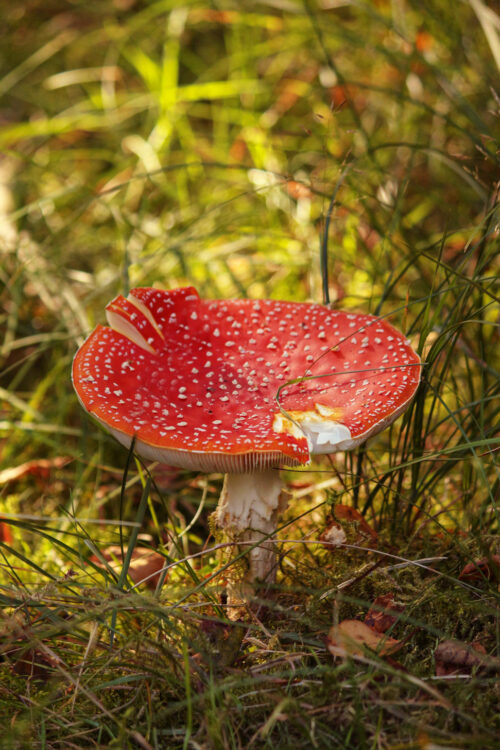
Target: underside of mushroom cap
{"points": [[241, 385]]}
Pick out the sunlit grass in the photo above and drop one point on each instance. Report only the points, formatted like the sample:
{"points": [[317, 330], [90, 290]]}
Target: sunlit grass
{"points": [[302, 151]]}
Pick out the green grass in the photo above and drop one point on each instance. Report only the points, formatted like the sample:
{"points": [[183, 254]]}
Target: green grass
{"points": [[297, 151]]}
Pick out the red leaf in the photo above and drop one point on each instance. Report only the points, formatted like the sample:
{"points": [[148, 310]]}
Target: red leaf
{"points": [[38, 468], [486, 567], [145, 566], [346, 513], [383, 613]]}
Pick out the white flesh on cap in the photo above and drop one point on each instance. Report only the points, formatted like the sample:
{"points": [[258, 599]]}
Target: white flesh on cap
{"points": [[120, 325], [327, 436], [128, 329], [324, 433], [248, 510]]}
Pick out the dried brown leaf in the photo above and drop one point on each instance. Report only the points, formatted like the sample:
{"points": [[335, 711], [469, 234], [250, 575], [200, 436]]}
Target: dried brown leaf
{"points": [[353, 637], [453, 657], [383, 613], [18, 647], [145, 565], [486, 567], [346, 513], [39, 468]]}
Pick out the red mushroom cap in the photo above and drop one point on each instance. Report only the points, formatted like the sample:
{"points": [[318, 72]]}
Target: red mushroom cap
{"points": [[238, 385]]}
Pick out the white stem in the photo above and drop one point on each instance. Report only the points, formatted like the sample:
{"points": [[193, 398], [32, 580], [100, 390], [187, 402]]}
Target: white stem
{"points": [[248, 509]]}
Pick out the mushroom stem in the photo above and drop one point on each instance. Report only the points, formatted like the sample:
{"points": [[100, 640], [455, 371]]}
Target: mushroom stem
{"points": [[248, 509]]}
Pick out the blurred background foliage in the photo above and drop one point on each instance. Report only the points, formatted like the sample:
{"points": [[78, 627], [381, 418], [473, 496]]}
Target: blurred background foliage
{"points": [[183, 143]]}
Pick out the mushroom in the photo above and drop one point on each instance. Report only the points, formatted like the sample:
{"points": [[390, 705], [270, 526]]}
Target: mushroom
{"points": [[242, 387]]}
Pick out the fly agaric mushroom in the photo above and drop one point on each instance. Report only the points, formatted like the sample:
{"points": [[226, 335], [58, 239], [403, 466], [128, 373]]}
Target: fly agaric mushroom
{"points": [[242, 387]]}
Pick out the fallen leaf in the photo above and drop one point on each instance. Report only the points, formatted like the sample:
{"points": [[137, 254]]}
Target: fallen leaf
{"points": [[145, 564], [383, 613], [486, 567], [30, 662], [453, 657], [18, 650], [40, 468], [351, 515], [353, 636]]}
